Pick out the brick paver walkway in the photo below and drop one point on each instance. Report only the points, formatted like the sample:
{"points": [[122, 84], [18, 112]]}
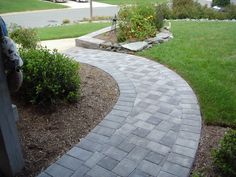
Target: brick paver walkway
{"points": [[153, 130]]}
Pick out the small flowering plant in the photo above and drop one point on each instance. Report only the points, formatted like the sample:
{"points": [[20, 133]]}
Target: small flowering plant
{"points": [[138, 22]]}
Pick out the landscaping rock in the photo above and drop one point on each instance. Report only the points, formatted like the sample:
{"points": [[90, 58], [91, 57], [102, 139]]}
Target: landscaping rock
{"points": [[135, 46]]}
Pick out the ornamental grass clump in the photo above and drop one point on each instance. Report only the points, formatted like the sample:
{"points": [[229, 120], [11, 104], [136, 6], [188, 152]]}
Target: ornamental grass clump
{"points": [[49, 77], [138, 22]]}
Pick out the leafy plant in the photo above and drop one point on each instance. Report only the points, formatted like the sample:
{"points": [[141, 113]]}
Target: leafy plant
{"points": [[225, 156], [138, 22], [26, 37], [49, 77]]}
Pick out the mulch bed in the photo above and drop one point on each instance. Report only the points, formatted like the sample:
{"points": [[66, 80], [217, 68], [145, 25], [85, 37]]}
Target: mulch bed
{"points": [[45, 136], [211, 136]]}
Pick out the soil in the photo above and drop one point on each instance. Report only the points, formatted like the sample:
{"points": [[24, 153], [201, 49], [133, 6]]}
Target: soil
{"points": [[46, 136], [211, 136], [108, 37]]}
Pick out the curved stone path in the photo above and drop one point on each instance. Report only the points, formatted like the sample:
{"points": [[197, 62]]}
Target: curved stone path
{"points": [[153, 130]]}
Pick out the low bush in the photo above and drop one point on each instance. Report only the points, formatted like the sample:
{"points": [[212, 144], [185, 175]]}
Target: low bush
{"points": [[49, 77], [221, 3], [26, 37], [231, 11], [182, 9], [138, 22], [225, 156]]}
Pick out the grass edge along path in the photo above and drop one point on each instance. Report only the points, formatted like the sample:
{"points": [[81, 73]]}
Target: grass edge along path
{"points": [[8, 6], [69, 31], [204, 54]]}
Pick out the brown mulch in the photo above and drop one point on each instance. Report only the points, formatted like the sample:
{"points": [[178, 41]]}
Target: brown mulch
{"points": [[210, 138], [47, 136]]}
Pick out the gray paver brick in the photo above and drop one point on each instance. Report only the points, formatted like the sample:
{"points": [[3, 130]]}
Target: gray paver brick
{"points": [[189, 135], [81, 171], [187, 143], [141, 132], [69, 162], [154, 157], [181, 160], [89, 145], [97, 138], [125, 167], [144, 125], [115, 140], [137, 154], [165, 126], [149, 168], [169, 139], [138, 173], [79, 153], [110, 124], [94, 159], [184, 151], [156, 135], [43, 175], [176, 169], [115, 118], [104, 130], [133, 139], [98, 171], [165, 174], [125, 146], [56, 170], [119, 113], [108, 163], [143, 116], [115, 153], [189, 128], [154, 120], [159, 148]]}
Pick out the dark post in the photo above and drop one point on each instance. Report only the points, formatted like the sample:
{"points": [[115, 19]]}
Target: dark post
{"points": [[11, 159]]}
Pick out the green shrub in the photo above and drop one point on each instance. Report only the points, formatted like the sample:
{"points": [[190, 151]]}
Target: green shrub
{"points": [[231, 11], [225, 156], [49, 77], [186, 9], [221, 3], [26, 37], [164, 10], [138, 22]]}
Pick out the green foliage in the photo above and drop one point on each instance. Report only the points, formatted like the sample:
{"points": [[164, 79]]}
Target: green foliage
{"points": [[231, 11], [138, 22], [186, 9], [221, 3], [26, 37], [225, 156], [49, 77], [191, 9]]}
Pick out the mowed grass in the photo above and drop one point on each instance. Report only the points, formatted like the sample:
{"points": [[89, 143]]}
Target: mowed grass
{"points": [[204, 53], [125, 2], [27, 5], [69, 31]]}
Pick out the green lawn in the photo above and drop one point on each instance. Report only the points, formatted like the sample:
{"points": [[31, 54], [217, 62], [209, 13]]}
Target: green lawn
{"points": [[124, 2], [26, 5], [204, 53], [69, 31]]}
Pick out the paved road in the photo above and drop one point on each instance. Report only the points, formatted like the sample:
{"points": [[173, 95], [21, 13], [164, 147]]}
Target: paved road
{"points": [[55, 17], [152, 131]]}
